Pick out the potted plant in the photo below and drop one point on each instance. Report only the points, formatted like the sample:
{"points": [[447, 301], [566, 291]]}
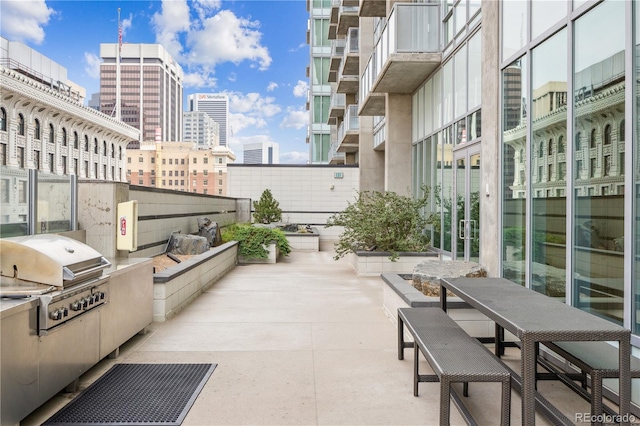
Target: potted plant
{"points": [[254, 242], [384, 222], [267, 209]]}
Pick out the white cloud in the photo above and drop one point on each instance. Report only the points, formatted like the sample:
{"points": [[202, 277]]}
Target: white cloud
{"points": [[232, 77], [126, 24], [199, 80], [300, 46], [169, 23], [272, 86], [92, 65], [296, 119], [226, 37], [294, 157], [24, 20], [239, 122], [300, 89], [253, 104], [205, 7]]}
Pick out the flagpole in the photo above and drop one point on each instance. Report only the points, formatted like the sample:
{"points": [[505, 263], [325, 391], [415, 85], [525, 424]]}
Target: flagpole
{"points": [[118, 57]]}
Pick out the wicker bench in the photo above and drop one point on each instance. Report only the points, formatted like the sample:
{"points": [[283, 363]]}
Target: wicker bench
{"points": [[599, 360], [454, 357]]}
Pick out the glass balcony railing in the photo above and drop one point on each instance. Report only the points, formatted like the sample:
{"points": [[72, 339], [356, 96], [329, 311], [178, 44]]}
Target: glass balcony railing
{"points": [[410, 28], [337, 47], [334, 155], [338, 100], [351, 122], [352, 44]]}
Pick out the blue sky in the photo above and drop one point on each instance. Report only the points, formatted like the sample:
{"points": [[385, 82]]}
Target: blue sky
{"points": [[254, 51]]}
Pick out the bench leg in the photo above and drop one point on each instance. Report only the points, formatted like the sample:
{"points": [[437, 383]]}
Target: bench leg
{"points": [[506, 402], [445, 401], [596, 394], [400, 339], [416, 374]]}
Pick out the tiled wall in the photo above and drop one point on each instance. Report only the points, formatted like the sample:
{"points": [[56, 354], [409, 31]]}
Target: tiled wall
{"points": [[307, 194]]}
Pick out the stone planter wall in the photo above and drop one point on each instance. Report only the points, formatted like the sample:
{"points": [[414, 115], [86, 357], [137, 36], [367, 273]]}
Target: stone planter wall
{"points": [[175, 287], [400, 293], [304, 242], [372, 264], [272, 257]]}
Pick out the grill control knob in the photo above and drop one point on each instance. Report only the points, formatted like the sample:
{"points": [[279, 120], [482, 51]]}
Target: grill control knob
{"points": [[85, 303], [55, 315], [65, 312], [102, 295], [76, 306]]}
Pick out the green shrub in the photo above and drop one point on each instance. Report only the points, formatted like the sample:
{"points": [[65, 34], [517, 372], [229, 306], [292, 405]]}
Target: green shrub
{"points": [[253, 239], [382, 221], [266, 209]]}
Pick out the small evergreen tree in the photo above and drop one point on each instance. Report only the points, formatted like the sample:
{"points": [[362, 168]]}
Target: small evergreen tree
{"points": [[266, 209]]}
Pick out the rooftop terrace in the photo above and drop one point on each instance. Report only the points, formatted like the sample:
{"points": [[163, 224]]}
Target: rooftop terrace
{"points": [[301, 342]]}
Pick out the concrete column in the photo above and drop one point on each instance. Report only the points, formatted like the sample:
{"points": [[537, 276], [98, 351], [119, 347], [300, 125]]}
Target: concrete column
{"points": [[490, 221], [397, 154]]}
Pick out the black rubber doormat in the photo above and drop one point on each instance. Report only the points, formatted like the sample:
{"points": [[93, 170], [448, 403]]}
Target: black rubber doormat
{"points": [[140, 394]]}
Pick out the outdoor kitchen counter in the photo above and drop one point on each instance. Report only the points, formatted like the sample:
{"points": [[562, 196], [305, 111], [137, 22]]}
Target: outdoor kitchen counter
{"points": [[10, 307]]}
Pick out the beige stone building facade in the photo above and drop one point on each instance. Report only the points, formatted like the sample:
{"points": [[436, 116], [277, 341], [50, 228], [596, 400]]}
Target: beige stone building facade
{"points": [[180, 166]]}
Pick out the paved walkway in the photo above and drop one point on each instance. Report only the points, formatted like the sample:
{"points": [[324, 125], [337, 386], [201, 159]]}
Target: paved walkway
{"points": [[301, 342]]}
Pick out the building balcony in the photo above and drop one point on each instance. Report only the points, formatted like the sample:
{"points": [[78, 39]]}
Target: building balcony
{"points": [[347, 18], [349, 131], [337, 105], [370, 103], [373, 8], [336, 157], [337, 51], [333, 76], [347, 83], [335, 11], [351, 53], [407, 51], [379, 133]]}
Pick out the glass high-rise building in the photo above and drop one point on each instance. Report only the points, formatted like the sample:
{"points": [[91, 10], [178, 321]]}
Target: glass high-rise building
{"points": [[144, 69], [217, 106]]}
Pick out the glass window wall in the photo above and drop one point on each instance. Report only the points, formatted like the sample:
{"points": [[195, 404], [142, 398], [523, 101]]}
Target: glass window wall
{"points": [[599, 75], [548, 200], [514, 165], [514, 26]]}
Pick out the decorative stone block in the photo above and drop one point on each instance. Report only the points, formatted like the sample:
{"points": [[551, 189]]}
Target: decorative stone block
{"points": [[426, 275]]}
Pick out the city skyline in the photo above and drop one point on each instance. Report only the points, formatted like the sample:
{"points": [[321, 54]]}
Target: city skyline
{"points": [[237, 48]]}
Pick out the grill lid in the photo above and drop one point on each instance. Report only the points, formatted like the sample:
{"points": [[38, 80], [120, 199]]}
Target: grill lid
{"points": [[49, 259]]}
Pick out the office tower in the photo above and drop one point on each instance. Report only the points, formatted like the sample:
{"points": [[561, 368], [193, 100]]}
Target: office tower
{"points": [[217, 106], [261, 153], [198, 127], [319, 96], [148, 69]]}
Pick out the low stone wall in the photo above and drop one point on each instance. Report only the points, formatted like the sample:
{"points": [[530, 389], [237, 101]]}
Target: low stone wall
{"points": [[177, 286], [304, 242], [398, 292], [374, 263]]}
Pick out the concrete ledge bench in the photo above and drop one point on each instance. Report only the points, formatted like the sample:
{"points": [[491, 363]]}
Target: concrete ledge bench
{"points": [[599, 360], [454, 356]]}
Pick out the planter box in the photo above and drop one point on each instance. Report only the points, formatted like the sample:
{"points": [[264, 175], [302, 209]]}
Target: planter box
{"points": [[398, 293], [304, 242], [175, 287], [374, 263], [272, 257]]}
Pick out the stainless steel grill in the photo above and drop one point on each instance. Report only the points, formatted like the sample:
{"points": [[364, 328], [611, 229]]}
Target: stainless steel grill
{"points": [[65, 274]]}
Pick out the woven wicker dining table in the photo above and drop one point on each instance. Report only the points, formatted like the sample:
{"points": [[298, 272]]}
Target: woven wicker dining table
{"points": [[533, 318]]}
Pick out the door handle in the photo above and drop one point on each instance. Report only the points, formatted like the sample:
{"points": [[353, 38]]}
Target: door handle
{"points": [[462, 230]]}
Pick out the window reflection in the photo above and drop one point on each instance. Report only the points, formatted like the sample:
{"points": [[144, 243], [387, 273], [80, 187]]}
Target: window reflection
{"points": [[548, 199], [599, 211], [514, 128]]}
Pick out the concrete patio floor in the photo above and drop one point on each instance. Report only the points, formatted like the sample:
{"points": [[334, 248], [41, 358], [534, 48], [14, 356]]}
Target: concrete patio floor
{"points": [[301, 342]]}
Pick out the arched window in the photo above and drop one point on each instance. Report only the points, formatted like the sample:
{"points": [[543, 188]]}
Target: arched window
{"points": [[607, 134], [104, 148], [621, 137], [113, 151], [64, 137], [52, 136], [37, 132], [592, 139], [120, 153], [95, 145], [550, 147], [75, 140], [3, 119], [86, 143], [21, 124], [561, 144], [578, 141], [541, 150]]}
